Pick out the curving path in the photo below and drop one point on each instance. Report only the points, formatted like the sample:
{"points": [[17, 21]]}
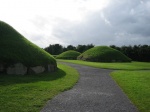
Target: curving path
{"points": [[94, 92]]}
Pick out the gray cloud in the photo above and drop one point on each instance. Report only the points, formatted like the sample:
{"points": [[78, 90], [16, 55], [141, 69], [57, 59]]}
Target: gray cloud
{"points": [[124, 22], [130, 16], [39, 22]]}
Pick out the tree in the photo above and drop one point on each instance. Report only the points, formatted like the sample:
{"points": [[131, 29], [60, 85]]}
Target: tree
{"points": [[136, 52], [82, 48], [89, 46], [71, 47], [54, 49]]}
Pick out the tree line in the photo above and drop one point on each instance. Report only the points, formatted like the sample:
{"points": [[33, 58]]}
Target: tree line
{"points": [[136, 52], [56, 49]]}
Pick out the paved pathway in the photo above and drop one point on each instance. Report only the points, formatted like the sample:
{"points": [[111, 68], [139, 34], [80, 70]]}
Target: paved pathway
{"points": [[95, 92]]}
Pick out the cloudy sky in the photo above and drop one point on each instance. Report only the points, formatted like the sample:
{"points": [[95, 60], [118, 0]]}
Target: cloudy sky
{"points": [[100, 22]]}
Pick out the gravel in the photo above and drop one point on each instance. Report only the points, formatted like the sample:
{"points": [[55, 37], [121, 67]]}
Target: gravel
{"points": [[95, 91]]}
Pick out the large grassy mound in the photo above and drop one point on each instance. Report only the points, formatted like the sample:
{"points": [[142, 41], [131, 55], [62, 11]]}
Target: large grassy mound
{"points": [[15, 48], [103, 54], [68, 55]]}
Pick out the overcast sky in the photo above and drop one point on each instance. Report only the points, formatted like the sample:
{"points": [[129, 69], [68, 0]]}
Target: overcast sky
{"points": [[100, 22]]}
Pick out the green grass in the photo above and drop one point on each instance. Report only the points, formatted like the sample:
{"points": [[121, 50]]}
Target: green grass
{"points": [[54, 56], [103, 54], [16, 48], [68, 55], [116, 66], [136, 84], [31, 92]]}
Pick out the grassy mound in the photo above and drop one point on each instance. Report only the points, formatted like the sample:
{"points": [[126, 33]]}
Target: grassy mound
{"points": [[103, 54], [68, 55], [15, 48]]}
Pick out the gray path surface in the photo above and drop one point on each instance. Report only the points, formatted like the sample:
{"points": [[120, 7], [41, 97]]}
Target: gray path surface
{"points": [[95, 92]]}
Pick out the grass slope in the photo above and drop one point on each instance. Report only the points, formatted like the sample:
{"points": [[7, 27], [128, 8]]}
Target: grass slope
{"points": [[68, 55], [103, 54], [136, 85], [15, 48], [30, 93]]}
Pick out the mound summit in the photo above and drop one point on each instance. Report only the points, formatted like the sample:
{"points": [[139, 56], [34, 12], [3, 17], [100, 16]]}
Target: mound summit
{"points": [[71, 54], [103, 54], [20, 56]]}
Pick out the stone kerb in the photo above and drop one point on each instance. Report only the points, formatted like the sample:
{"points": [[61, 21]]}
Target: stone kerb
{"points": [[38, 69], [18, 69], [1, 67], [51, 68]]}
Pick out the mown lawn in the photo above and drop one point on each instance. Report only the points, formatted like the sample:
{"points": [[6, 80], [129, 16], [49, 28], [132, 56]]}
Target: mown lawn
{"points": [[30, 93], [136, 84], [116, 66]]}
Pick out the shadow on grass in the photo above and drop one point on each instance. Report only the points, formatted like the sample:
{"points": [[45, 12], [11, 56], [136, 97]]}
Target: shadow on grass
{"points": [[17, 79]]}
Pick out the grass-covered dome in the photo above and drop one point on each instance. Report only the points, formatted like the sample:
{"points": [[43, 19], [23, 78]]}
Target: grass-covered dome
{"points": [[68, 55], [15, 48], [103, 54]]}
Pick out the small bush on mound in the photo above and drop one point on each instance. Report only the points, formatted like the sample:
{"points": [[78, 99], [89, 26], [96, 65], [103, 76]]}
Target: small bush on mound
{"points": [[68, 55], [14, 48], [103, 54]]}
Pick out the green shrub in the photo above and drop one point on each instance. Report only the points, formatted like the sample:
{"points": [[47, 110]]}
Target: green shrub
{"points": [[103, 54], [68, 55], [16, 48]]}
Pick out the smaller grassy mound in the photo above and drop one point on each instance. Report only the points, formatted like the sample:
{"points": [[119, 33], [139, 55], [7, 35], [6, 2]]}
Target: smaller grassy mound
{"points": [[69, 55], [103, 54]]}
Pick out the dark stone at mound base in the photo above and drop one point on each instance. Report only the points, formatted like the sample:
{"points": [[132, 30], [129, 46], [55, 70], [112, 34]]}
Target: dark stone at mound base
{"points": [[20, 69]]}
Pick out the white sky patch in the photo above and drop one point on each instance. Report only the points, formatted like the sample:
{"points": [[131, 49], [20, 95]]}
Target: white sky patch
{"points": [[105, 19], [141, 2], [65, 9], [132, 12], [38, 17], [47, 22]]}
